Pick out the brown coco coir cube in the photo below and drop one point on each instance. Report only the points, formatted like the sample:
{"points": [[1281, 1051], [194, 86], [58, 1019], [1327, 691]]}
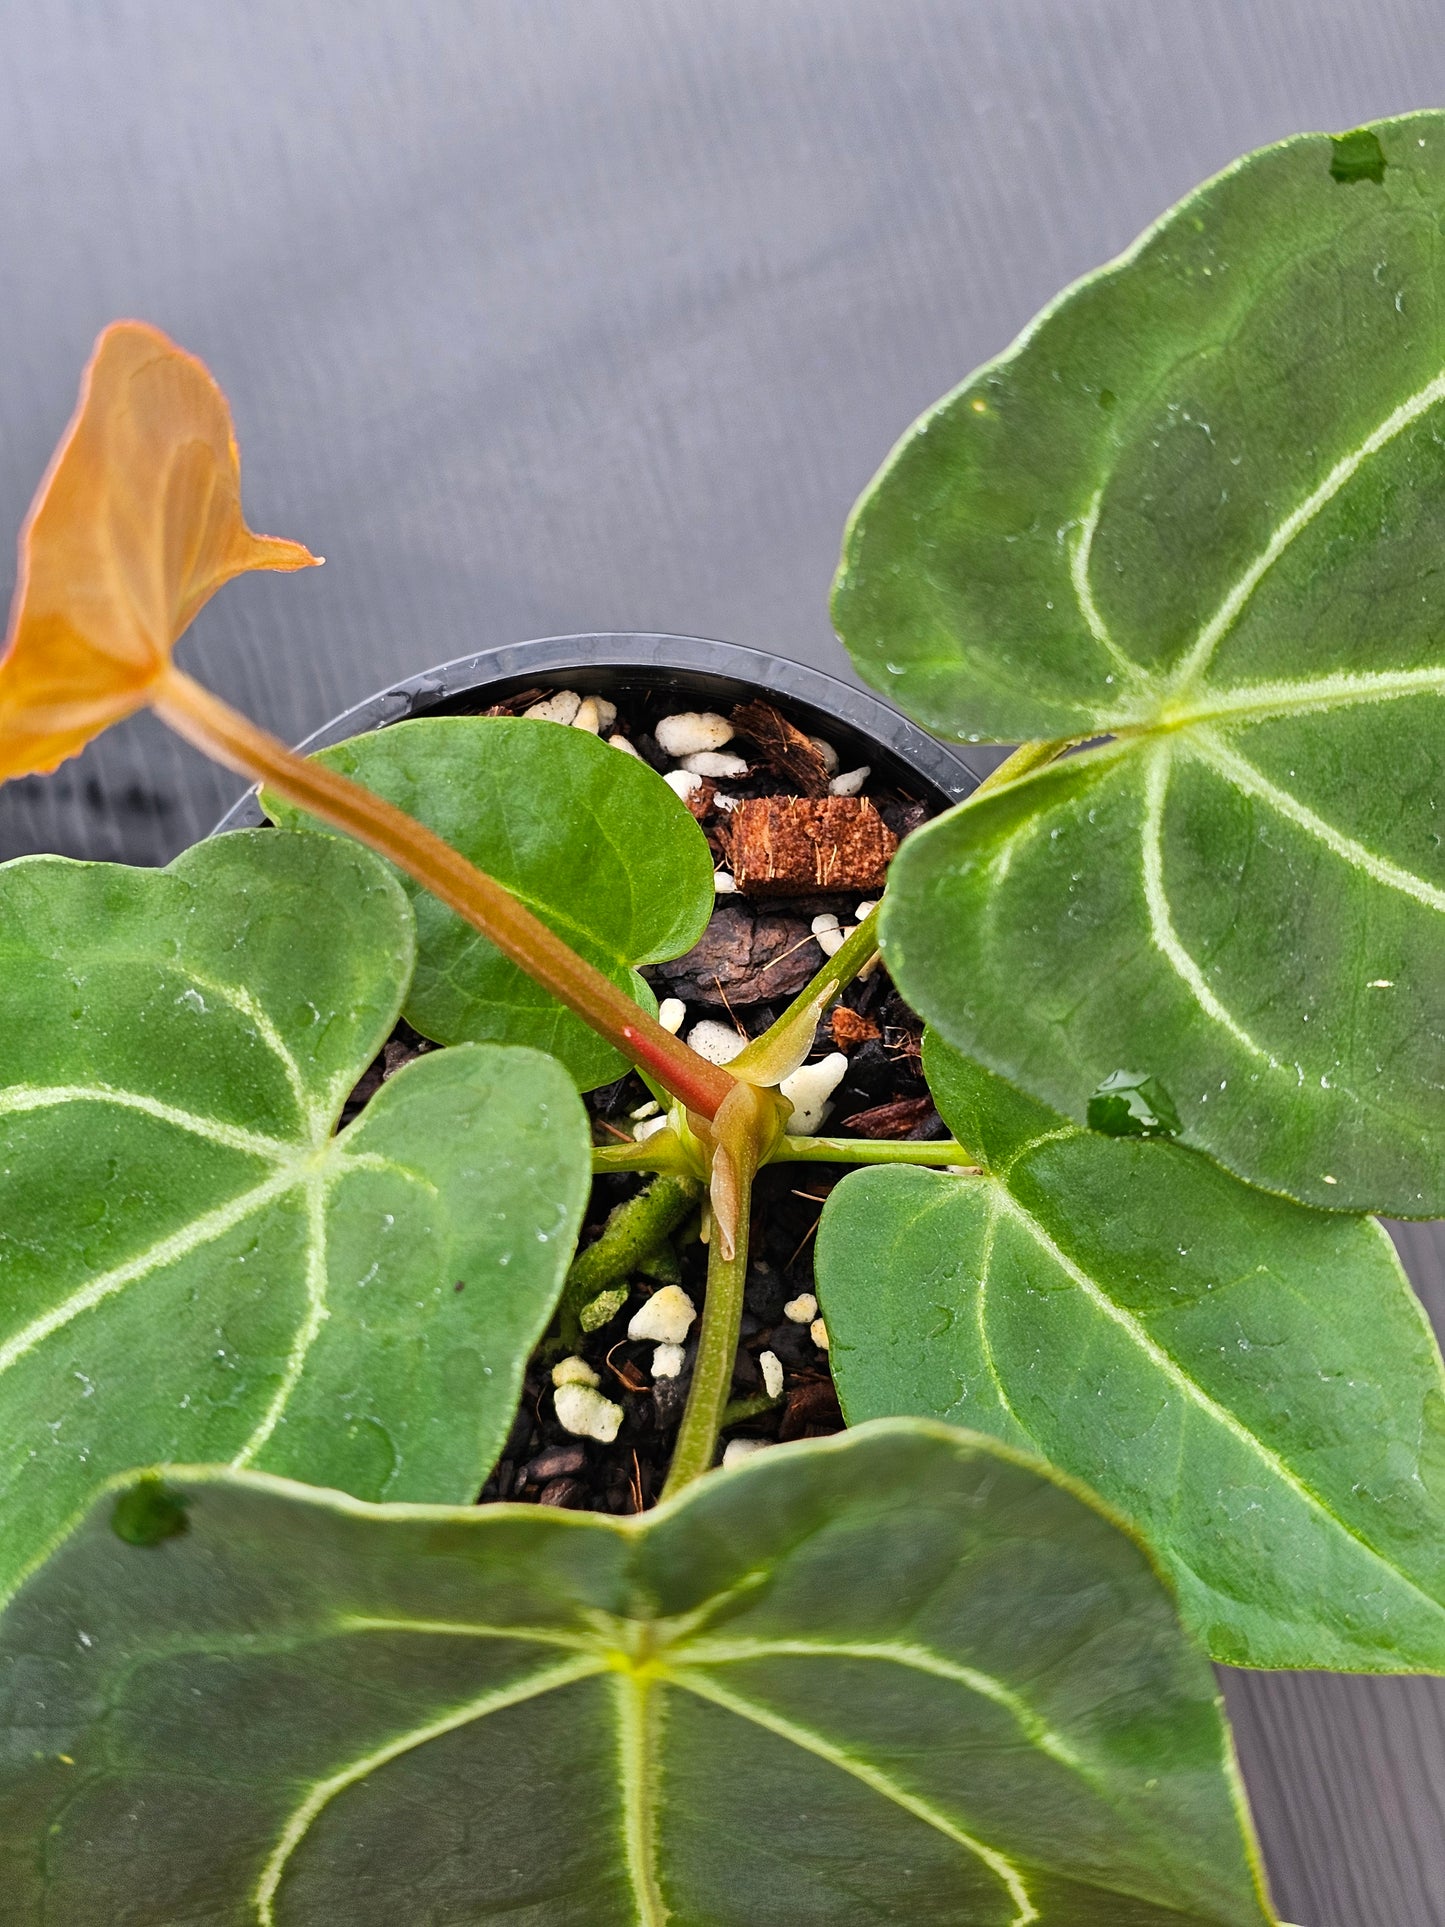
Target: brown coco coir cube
{"points": [[792, 845]]}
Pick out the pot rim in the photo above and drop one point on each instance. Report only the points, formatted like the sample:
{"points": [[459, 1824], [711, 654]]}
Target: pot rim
{"points": [[447, 687]]}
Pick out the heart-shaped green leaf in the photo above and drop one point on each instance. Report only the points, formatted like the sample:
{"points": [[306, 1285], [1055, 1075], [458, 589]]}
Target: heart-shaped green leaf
{"points": [[901, 1675], [194, 1266], [1198, 508], [1251, 1382], [588, 837]]}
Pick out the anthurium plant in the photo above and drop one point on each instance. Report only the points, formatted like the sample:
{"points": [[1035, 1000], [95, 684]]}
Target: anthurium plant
{"points": [[1135, 1378]]}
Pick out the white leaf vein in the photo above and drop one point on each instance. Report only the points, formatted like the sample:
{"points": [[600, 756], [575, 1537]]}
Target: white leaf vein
{"points": [[1201, 654], [1261, 701], [1161, 921], [164, 1252], [1080, 557], [919, 1659], [1195, 1394], [310, 1327], [998, 1864], [636, 1751], [17, 1099], [303, 1817], [1207, 747]]}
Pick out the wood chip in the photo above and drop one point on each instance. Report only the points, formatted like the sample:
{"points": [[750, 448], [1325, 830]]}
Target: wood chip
{"points": [[744, 957], [785, 748], [850, 1029], [897, 1119], [811, 1412], [789, 845], [571, 1494], [514, 705], [700, 800]]}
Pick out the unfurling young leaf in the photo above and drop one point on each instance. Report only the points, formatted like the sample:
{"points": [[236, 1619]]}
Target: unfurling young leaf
{"points": [[195, 1267], [1198, 508], [902, 1675], [591, 840], [136, 526], [1252, 1383]]}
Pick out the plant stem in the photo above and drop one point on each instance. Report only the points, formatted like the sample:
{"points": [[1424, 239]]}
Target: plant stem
{"points": [[831, 981], [632, 1231], [738, 1410], [712, 1372], [223, 733], [1020, 762], [864, 1150], [662, 1152]]}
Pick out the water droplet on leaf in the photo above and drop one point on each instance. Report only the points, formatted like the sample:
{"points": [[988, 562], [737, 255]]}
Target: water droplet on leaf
{"points": [[1357, 156], [1133, 1104], [149, 1513]]}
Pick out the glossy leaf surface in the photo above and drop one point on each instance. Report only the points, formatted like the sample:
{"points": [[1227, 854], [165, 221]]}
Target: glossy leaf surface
{"points": [[897, 1675], [590, 839], [135, 526], [1251, 1382], [1199, 507], [194, 1266]]}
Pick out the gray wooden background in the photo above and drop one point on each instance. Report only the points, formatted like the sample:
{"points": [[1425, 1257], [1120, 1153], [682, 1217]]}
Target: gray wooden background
{"points": [[554, 315]]}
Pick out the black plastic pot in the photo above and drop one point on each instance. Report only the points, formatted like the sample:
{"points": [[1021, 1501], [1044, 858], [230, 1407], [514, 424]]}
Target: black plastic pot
{"points": [[696, 673]]}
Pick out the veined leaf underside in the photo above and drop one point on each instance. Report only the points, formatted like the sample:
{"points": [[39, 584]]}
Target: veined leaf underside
{"points": [[638, 1719]]}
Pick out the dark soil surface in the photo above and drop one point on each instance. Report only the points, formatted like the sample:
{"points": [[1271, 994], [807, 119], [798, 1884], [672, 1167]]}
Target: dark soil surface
{"points": [[755, 957]]}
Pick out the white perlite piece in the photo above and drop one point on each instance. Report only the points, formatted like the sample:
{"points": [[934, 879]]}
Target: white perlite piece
{"points": [[808, 1091], [801, 1310], [666, 1317], [771, 1367], [851, 782], [649, 1109], [586, 1413], [693, 730], [595, 714], [830, 937], [726, 803], [866, 908], [649, 1127], [683, 781], [621, 742], [828, 754], [724, 882], [672, 1014], [718, 1043], [667, 1361], [818, 1332], [561, 708], [736, 1450], [715, 762], [574, 1371]]}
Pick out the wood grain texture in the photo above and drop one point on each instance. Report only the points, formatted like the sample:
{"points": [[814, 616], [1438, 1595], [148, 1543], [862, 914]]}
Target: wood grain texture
{"points": [[552, 315]]}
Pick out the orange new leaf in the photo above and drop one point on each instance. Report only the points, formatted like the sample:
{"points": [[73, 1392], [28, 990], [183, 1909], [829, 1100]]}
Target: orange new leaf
{"points": [[135, 526]]}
